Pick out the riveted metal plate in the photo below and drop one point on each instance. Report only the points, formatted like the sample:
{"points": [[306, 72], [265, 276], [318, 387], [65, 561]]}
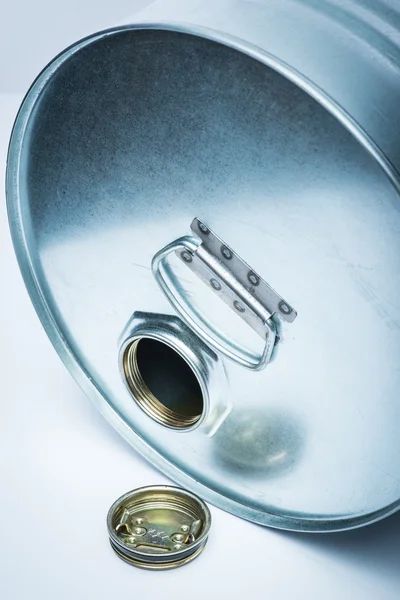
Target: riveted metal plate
{"points": [[234, 280]]}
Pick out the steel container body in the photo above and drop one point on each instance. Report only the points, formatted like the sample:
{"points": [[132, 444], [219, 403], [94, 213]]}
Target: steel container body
{"points": [[276, 124]]}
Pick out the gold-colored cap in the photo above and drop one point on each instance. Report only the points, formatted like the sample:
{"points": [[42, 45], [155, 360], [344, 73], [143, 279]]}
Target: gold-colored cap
{"points": [[158, 527]]}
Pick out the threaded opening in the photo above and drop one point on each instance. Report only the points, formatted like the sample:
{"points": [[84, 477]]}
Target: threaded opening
{"points": [[162, 383]]}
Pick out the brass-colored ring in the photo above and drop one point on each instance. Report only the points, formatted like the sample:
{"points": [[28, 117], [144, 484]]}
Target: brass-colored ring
{"points": [[159, 566]]}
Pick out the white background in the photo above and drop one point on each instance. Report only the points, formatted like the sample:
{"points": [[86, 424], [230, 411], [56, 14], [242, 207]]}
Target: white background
{"points": [[62, 465]]}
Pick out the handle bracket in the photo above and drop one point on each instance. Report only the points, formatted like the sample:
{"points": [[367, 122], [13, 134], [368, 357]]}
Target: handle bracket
{"points": [[234, 281]]}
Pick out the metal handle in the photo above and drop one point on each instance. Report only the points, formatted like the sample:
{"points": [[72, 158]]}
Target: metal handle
{"points": [[227, 275], [210, 334]]}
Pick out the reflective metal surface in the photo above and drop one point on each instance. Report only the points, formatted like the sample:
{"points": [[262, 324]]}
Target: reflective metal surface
{"points": [[158, 527], [130, 134]]}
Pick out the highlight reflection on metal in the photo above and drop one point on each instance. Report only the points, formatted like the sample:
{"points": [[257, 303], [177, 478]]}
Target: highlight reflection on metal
{"points": [[158, 527], [284, 138], [236, 284]]}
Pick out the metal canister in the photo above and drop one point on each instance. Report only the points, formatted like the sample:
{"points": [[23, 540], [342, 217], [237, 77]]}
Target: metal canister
{"points": [[205, 209]]}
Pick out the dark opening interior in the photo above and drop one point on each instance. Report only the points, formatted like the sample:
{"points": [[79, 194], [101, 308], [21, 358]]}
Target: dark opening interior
{"points": [[163, 383]]}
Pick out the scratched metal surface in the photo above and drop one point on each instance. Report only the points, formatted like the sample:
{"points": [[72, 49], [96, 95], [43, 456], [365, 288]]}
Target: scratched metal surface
{"points": [[120, 143]]}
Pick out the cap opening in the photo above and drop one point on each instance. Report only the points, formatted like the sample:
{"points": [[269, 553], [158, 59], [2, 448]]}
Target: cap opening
{"points": [[158, 527], [162, 383]]}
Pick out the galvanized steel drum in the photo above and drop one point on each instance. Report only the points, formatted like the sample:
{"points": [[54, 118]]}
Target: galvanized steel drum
{"points": [[207, 218]]}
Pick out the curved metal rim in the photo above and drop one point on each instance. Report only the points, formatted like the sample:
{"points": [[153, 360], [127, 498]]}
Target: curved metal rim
{"points": [[288, 521], [162, 566], [199, 542]]}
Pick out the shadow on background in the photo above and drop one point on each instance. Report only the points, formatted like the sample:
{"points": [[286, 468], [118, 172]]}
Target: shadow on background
{"points": [[374, 547]]}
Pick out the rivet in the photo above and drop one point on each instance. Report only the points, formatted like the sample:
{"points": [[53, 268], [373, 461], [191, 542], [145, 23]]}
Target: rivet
{"points": [[226, 252], [204, 229], [215, 284], [253, 278], [284, 308], [130, 540], [186, 256], [238, 306]]}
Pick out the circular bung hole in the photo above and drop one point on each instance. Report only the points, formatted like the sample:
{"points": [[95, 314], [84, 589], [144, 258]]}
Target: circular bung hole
{"points": [[162, 383]]}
